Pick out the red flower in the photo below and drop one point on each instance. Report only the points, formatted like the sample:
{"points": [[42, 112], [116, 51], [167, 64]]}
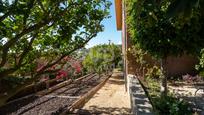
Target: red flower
{"points": [[61, 74]]}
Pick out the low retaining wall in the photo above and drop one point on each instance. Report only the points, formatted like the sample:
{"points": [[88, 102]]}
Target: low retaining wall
{"points": [[140, 103], [84, 99]]}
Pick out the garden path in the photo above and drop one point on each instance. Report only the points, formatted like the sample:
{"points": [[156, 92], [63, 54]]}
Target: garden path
{"points": [[111, 99]]}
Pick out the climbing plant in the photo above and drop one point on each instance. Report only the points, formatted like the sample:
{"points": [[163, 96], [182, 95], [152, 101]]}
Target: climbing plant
{"points": [[151, 28]]}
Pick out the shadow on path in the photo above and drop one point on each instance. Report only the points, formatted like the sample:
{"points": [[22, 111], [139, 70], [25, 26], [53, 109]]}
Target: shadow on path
{"points": [[104, 110]]}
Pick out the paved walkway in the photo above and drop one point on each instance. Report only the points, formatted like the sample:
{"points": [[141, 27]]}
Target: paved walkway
{"points": [[111, 99]]}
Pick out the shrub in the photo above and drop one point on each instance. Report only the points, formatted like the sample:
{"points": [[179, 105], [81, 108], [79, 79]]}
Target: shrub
{"points": [[172, 106], [153, 72], [190, 79], [168, 105], [200, 66]]}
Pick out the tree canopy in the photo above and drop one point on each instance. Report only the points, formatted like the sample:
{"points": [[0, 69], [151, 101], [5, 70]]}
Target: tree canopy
{"points": [[150, 27], [48, 30], [162, 29], [102, 56]]}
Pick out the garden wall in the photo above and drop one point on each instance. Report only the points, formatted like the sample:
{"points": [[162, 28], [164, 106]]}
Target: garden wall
{"points": [[176, 65]]}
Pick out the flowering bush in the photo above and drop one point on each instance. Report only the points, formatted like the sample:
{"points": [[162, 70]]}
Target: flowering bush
{"points": [[67, 67], [188, 78], [77, 67], [61, 74]]}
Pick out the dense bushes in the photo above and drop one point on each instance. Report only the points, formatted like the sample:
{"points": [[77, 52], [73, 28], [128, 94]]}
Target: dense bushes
{"points": [[200, 66], [101, 57], [169, 105], [153, 72], [160, 36], [172, 106]]}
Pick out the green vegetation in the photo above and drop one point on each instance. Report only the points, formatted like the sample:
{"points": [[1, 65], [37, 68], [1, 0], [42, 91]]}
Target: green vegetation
{"points": [[159, 36], [160, 29], [170, 105], [102, 57], [183, 8], [36, 36], [46, 30], [200, 66]]}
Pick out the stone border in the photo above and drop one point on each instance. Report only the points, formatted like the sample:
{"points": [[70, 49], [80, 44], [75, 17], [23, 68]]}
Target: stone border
{"points": [[85, 98], [139, 101]]}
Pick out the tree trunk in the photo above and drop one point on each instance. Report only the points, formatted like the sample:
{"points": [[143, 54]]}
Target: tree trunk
{"points": [[163, 84]]}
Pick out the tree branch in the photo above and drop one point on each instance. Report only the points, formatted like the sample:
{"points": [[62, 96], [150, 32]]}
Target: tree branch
{"points": [[41, 5], [27, 49], [26, 15], [10, 11], [16, 38], [26, 31], [66, 54]]}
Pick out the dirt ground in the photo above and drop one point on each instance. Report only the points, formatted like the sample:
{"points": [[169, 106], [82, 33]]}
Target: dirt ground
{"points": [[111, 99], [187, 92]]}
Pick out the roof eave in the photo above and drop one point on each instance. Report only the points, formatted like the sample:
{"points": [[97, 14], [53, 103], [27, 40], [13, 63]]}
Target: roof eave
{"points": [[118, 10]]}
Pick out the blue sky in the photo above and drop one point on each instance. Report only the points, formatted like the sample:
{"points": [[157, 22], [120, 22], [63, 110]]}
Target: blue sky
{"points": [[110, 32]]}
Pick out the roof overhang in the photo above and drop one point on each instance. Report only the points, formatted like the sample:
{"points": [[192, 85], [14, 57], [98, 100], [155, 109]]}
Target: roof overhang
{"points": [[118, 10]]}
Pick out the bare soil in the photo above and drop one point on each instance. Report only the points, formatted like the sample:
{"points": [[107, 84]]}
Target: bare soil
{"points": [[53, 103]]}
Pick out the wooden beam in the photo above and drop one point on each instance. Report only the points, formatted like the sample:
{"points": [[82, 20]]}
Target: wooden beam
{"points": [[118, 10], [85, 98]]}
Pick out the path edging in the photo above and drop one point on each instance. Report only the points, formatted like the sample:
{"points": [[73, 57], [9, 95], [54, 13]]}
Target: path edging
{"points": [[85, 98], [140, 102]]}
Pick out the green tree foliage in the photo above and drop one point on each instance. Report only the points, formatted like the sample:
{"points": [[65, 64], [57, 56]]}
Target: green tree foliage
{"points": [[200, 65], [48, 30], [184, 8], [102, 56], [45, 30], [151, 28]]}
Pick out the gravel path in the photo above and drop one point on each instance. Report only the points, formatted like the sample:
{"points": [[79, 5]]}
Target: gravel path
{"points": [[187, 92], [52, 104], [111, 99]]}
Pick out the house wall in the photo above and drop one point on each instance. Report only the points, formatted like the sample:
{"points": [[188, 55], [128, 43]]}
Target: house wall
{"points": [[175, 65], [181, 65]]}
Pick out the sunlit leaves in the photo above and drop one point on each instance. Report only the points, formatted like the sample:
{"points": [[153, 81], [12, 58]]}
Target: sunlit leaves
{"points": [[59, 27], [102, 56]]}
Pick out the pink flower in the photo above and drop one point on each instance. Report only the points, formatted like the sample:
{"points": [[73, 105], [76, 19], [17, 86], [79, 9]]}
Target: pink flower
{"points": [[61, 74]]}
